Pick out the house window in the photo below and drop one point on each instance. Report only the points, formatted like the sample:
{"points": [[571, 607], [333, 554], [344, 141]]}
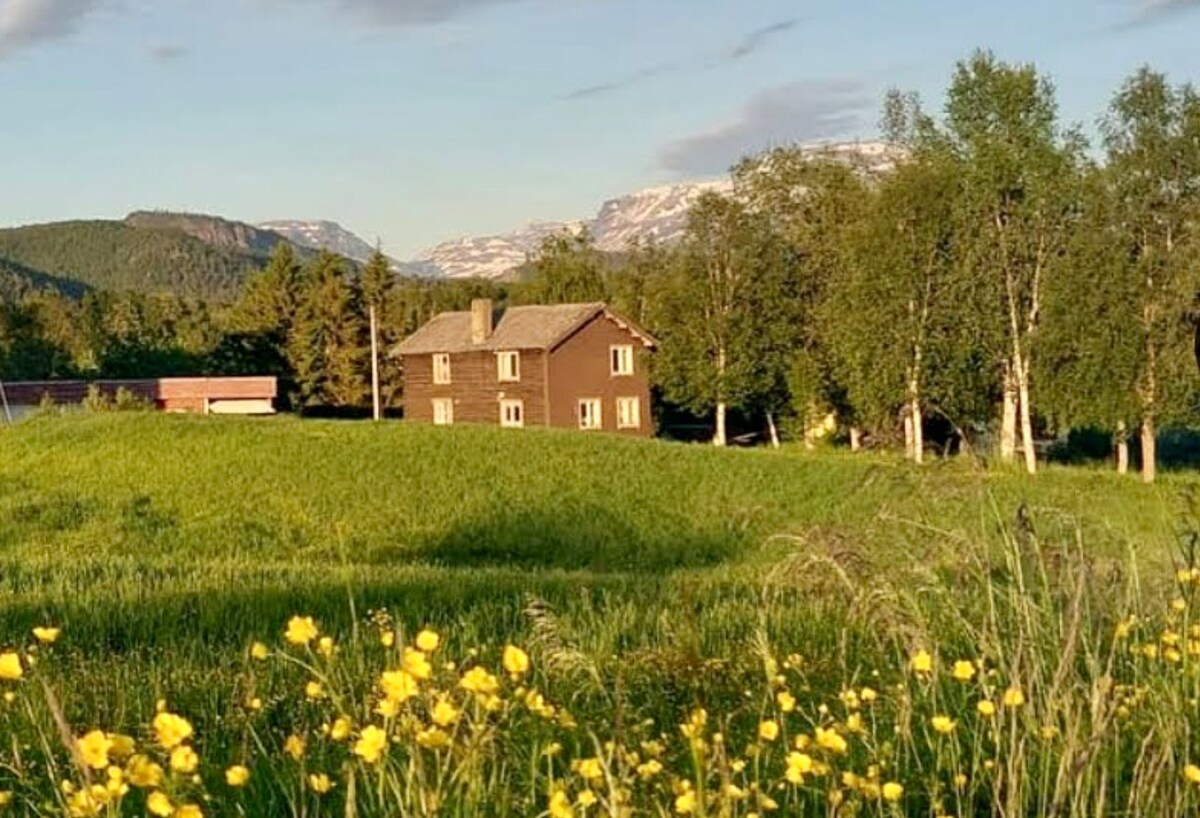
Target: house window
{"points": [[590, 414], [629, 413], [441, 369], [621, 359], [443, 412], [508, 367], [512, 414]]}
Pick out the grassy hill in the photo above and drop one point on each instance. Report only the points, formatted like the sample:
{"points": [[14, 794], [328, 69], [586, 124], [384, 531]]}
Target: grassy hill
{"points": [[110, 255], [647, 578]]}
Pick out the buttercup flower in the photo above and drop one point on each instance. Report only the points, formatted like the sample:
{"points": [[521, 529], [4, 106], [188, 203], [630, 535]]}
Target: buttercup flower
{"points": [[171, 730], [921, 662], [319, 783], [10, 667], [963, 670], [237, 776], [46, 636], [1013, 697], [157, 803], [184, 760], [93, 749], [428, 641], [892, 791], [301, 630], [371, 744], [516, 661]]}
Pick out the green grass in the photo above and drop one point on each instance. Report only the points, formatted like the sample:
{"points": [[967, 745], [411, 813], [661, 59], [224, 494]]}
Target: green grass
{"points": [[164, 545]]}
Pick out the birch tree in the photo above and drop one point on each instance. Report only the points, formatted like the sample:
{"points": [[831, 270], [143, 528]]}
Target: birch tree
{"points": [[1152, 142]]}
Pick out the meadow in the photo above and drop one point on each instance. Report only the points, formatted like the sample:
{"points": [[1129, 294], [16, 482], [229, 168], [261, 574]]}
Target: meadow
{"points": [[622, 627]]}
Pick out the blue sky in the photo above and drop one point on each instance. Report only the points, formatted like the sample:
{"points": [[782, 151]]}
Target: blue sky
{"points": [[417, 121]]}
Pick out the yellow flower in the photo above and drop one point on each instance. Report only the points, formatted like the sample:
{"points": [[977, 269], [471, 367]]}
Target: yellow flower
{"points": [[831, 740], [433, 738], [46, 635], [960, 781], [921, 662], [10, 667], [171, 730], [294, 746], [388, 708], [587, 798], [868, 695], [416, 664], [1013, 697], [963, 670], [398, 686], [1179, 604], [768, 731], [685, 804], [478, 680], [313, 690], [516, 661], [786, 701], [428, 641], [184, 759], [649, 769], [589, 768], [854, 723], [387, 638], [340, 731], [144, 773], [943, 724], [986, 708], [259, 651], [444, 713], [93, 749], [301, 630], [1191, 774], [892, 791], [255, 703], [5, 797], [189, 811], [560, 805], [319, 783], [237, 776], [371, 744], [798, 766], [325, 646], [157, 803]]}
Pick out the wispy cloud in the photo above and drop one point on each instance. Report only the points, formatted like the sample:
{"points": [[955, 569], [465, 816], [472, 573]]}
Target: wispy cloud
{"points": [[752, 42], [1151, 11], [26, 23], [400, 13], [168, 52], [797, 112]]}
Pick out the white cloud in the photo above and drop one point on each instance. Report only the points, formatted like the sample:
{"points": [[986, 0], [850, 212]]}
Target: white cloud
{"points": [[803, 111], [25, 23]]}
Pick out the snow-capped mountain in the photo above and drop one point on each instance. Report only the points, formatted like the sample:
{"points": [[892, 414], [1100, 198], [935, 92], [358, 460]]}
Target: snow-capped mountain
{"points": [[322, 235], [658, 213]]}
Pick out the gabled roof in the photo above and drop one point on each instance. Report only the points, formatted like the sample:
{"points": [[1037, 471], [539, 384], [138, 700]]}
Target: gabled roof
{"points": [[533, 327]]}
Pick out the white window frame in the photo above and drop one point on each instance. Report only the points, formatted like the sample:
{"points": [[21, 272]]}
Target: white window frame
{"points": [[442, 375], [443, 412], [620, 360], [631, 417], [508, 367], [509, 403], [589, 420]]}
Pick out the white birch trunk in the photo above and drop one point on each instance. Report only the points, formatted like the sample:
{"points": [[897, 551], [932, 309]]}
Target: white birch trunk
{"points": [[908, 435], [719, 437], [918, 432], [1026, 420], [1149, 450], [1008, 421], [773, 430], [1122, 439], [855, 439]]}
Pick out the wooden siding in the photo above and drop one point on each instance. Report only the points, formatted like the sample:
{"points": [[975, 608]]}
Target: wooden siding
{"points": [[475, 387], [580, 368], [168, 394]]}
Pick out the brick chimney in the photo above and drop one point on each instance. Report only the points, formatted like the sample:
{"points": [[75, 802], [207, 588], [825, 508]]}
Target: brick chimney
{"points": [[481, 320]]}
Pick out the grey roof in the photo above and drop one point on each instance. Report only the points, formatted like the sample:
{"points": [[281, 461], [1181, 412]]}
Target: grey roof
{"points": [[534, 327]]}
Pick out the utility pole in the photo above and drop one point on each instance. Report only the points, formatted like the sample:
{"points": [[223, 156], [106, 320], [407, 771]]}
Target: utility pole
{"points": [[378, 414]]}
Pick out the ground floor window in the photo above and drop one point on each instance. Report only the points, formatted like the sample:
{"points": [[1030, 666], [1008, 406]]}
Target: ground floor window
{"points": [[512, 414], [590, 414], [443, 411], [629, 413]]}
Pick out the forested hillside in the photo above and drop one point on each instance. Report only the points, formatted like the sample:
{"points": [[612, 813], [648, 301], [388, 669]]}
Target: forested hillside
{"points": [[116, 256]]}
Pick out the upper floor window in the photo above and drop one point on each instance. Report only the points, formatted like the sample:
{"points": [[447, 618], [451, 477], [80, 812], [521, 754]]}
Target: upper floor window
{"points": [[508, 367], [621, 360], [591, 414], [441, 368]]}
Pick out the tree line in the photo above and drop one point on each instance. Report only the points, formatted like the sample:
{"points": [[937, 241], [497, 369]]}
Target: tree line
{"points": [[1006, 279]]}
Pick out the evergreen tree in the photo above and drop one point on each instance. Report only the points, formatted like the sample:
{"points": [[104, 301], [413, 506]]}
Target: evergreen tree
{"points": [[327, 345]]}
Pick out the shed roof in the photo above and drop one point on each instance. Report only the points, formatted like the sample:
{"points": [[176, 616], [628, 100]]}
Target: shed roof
{"points": [[532, 327]]}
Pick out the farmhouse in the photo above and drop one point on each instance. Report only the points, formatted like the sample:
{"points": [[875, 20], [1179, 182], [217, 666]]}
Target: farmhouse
{"points": [[577, 366], [215, 396]]}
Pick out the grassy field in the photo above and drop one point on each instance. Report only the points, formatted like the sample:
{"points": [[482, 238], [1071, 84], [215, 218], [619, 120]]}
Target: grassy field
{"points": [[646, 580]]}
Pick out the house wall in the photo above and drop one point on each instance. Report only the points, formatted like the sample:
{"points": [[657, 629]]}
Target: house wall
{"points": [[580, 368], [475, 387]]}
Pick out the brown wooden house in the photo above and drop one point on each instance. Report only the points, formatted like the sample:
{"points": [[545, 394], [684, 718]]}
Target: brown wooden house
{"points": [[578, 366]]}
